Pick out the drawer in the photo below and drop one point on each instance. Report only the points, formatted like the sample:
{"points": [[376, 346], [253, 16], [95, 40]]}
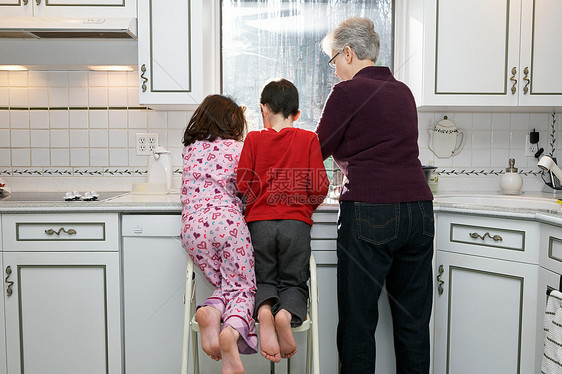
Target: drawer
{"points": [[60, 232], [501, 238], [551, 247], [160, 225]]}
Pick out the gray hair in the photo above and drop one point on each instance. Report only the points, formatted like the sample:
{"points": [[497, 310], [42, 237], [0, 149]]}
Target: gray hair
{"points": [[359, 34]]}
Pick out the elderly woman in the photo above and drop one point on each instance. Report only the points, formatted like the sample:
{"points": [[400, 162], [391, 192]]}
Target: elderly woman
{"points": [[385, 226]]}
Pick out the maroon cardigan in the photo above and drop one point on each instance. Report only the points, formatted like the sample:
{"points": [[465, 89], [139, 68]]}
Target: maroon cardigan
{"points": [[370, 126]]}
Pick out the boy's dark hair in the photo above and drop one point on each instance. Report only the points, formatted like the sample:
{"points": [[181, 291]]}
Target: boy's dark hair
{"points": [[281, 96], [216, 117]]}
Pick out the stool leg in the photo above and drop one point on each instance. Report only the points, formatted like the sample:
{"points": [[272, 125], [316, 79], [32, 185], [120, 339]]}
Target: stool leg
{"points": [[195, 352], [309, 351]]}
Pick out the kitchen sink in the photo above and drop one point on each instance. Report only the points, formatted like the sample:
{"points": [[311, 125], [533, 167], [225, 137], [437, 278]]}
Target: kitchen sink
{"points": [[502, 201]]}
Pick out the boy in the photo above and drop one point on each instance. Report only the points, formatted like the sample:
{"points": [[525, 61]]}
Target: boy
{"points": [[283, 177]]}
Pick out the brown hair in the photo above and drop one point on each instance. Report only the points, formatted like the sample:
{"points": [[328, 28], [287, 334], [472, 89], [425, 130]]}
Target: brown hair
{"points": [[216, 117]]}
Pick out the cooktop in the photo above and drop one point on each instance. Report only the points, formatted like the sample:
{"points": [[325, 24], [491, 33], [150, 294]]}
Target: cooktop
{"points": [[53, 196]]}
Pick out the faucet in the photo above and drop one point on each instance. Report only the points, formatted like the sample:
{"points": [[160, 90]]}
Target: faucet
{"points": [[548, 164]]}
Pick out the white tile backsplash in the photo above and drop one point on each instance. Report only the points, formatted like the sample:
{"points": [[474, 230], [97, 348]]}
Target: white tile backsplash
{"points": [[39, 156], [87, 142], [38, 119], [20, 139], [38, 97], [97, 97], [98, 119], [19, 97], [4, 138], [4, 96], [99, 138]]}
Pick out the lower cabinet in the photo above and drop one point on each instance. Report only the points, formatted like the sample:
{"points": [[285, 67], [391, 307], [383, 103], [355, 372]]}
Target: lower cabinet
{"points": [[485, 315], [62, 312]]}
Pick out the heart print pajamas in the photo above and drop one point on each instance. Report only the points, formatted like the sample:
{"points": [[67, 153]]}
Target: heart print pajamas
{"points": [[215, 235]]}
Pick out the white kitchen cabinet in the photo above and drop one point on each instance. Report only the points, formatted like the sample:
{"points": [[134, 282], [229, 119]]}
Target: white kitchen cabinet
{"points": [[324, 248], [485, 318], [178, 52], [62, 303], [483, 53], [490, 294], [2, 325], [68, 8]]}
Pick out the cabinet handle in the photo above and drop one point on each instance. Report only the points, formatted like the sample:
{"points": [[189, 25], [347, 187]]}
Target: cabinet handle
{"points": [[25, 2], [527, 80], [69, 231], [38, 2], [475, 235], [10, 283], [514, 72], [441, 282], [144, 79]]}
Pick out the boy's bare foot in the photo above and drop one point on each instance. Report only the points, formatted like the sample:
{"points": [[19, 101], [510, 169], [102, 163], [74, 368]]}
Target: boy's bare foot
{"points": [[268, 338], [287, 344], [209, 320], [231, 363]]}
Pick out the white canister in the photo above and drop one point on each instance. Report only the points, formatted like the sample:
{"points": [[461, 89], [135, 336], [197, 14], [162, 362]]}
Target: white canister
{"points": [[511, 182]]}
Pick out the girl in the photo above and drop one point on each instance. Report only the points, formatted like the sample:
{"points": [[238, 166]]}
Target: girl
{"points": [[214, 232]]}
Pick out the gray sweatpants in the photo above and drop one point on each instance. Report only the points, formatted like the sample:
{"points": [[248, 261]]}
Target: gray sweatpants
{"points": [[282, 251]]}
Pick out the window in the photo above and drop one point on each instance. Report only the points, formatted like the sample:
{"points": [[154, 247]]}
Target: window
{"points": [[264, 39]]}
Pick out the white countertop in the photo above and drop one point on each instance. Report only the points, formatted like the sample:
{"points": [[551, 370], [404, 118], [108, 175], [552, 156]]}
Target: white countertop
{"points": [[529, 205]]}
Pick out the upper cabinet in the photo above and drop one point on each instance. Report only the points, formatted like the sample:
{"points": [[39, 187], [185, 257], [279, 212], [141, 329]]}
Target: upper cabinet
{"points": [[484, 52], [68, 8], [179, 52]]}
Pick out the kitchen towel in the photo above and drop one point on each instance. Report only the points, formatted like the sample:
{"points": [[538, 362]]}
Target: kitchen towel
{"points": [[552, 358]]}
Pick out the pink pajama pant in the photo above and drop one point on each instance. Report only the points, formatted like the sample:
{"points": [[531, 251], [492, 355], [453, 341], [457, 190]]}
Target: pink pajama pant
{"points": [[218, 241]]}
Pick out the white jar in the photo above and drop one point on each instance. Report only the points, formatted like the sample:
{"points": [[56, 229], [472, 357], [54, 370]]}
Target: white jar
{"points": [[511, 182]]}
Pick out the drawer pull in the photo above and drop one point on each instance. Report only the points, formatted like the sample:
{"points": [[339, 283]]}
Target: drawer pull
{"points": [[10, 283], [144, 79], [475, 235], [51, 231], [527, 80], [514, 72], [441, 282]]}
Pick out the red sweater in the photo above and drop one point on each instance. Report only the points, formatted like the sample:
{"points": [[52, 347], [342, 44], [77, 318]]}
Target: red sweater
{"points": [[282, 174]]}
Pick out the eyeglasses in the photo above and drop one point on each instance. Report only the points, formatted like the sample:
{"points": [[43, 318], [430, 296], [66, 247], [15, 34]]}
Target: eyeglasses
{"points": [[331, 63]]}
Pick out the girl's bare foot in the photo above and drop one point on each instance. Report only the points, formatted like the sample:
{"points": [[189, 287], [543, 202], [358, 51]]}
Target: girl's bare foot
{"points": [[209, 320], [287, 344], [268, 338], [231, 363]]}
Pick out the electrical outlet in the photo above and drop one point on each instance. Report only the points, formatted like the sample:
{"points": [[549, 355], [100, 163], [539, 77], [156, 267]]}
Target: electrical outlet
{"points": [[530, 148], [146, 143]]}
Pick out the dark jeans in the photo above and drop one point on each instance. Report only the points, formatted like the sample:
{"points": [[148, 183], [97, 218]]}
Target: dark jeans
{"points": [[378, 242]]}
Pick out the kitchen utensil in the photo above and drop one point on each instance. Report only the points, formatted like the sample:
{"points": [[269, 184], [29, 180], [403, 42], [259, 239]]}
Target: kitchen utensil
{"points": [[160, 167], [443, 139]]}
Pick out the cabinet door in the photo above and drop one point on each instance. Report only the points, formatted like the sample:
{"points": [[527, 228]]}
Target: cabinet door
{"points": [[485, 316], [63, 313], [16, 8], [170, 46], [471, 48], [153, 289], [541, 52]]}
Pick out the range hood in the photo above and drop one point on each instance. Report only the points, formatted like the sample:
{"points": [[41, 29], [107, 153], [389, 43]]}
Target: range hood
{"points": [[67, 28]]}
